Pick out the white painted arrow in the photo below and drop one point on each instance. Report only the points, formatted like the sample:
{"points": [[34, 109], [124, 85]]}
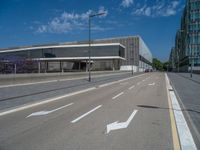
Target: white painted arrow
{"points": [[41, 113], [152, 83], [121, 125]]}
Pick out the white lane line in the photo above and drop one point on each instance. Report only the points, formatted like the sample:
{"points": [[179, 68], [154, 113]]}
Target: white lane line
{"points": [[152, 84], [107, 84], [42, 113], [84, 115], [118, 95], [23, 107], [123, 83], [95, 76], [185, 136], [131, 87], [118, 81], [49, 81], [22, 84], [44, 101]]}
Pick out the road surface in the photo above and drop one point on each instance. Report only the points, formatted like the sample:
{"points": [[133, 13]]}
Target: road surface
{"points": [[130, 113]]}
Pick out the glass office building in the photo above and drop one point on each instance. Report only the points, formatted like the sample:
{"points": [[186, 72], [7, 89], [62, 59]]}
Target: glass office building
{"points": [[137, 53], [65, 57], [187, 43], [122, 53]]}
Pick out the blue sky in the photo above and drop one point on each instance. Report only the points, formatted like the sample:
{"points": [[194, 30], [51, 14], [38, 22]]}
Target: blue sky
{"points": [[30, 22]]}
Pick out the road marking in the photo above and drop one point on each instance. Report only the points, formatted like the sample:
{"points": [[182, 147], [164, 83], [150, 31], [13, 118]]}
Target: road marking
{"points": [[95, 76], [118, 81], [185, 136], [131, 87], [121, 125], [143, 80], [44, 101], [59, 80], [42, 113], [23, 107], [84, 115], [138, 83], [175, 138], [152, 84], [123, 83], [118, 95], [21, 84]]}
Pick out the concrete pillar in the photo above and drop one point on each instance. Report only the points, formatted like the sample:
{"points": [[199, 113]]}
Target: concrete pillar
{"points": [[79, 66], [143, 66], [113, 65], [46, 66], [39, 67], [86, 66], [62, 66], [15, 68]]}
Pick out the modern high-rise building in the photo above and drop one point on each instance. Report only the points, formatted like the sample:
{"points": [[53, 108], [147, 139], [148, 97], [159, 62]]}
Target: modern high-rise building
{"points": [[122, 53], [187, 43]]}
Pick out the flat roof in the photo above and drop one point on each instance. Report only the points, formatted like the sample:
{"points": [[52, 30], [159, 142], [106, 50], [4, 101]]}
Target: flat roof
{"points": [[80, 58], [60, 46], [120, 37]]}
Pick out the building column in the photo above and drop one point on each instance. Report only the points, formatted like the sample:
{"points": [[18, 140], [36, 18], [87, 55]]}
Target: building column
{"points": [[46, 66], [62, 66], [79, 66], [113, 65], [86, 66], [15, 68], [39, 67]]}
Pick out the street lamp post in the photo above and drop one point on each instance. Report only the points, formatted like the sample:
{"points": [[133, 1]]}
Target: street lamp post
{"points": [[132, 58], [89, 51]]}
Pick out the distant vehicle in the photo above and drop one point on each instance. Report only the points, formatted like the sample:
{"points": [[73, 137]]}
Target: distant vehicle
{"points": [[148, 70]]}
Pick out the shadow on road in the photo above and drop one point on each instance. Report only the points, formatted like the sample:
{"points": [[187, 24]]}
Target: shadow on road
{"points": [[157, 107]]}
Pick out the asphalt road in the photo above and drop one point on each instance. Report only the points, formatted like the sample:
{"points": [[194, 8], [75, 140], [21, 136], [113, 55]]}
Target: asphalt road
{"points": [[20, 94], [138, 106]]}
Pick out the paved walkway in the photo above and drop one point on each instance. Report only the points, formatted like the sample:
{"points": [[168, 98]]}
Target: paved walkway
{"points": [[188, 90]]}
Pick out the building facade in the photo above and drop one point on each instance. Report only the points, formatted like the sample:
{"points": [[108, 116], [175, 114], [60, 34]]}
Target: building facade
{"points": [[123, 53], [137, 53], [187, 42]]}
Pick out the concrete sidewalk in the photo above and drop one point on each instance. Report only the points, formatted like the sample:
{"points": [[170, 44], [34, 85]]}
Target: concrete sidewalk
{"points": [[195, 77], [188, 91]]}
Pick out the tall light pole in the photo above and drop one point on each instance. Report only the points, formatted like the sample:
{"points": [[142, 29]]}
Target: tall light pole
{"points": [[89, 51]]}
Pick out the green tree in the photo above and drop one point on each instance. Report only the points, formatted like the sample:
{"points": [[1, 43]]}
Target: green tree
{"points": [[165, 66], [157, 64]]}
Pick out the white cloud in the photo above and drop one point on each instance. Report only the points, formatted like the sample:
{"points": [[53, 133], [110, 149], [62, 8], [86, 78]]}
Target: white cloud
{"points": [[160, 8], [102, 10], [67, 22], [126, 3]]}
